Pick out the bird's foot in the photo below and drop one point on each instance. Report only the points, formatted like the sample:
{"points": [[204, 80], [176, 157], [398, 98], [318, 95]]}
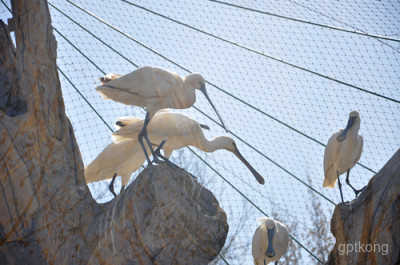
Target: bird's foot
{"points": [[169, 163], [156, 159], [158, 156], [111, 188], [111, 185], [149, 163], [358, 191]]}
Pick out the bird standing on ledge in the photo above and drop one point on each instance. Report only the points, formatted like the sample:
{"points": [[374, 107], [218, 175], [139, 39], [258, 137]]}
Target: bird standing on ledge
{"points": [[154, 89], [342, 152]]}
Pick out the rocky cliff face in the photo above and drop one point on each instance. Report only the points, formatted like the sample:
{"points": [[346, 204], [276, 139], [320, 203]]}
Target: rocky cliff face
{"points": [[367, 230], [47, 214], [170, 219]]}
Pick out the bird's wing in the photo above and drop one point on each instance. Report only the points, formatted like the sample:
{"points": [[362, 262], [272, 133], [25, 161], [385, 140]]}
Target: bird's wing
{"points": [[283, 239], [103, 166], [147, 82], [130, 131], [361, 139], [158, 125], [258, 244], [330, 157]]}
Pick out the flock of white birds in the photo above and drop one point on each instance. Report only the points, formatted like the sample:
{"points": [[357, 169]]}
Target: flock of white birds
{"points": [[156, 89]]}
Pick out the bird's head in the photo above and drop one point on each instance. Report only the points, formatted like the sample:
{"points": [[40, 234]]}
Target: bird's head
{"points": [[354, 121], [196, 81], [354, 114], [269, 223], [229, 144]]}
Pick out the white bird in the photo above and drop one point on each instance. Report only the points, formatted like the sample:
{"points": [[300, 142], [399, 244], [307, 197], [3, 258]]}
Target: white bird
{"points": [[170, 130], [154, 89], [174, 130], [342, 152], [117, 159], [270, 241]]}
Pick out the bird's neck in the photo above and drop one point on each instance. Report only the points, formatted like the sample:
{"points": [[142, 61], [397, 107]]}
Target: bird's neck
{"points": [[210, 146], [353, 131], [185, 96]]}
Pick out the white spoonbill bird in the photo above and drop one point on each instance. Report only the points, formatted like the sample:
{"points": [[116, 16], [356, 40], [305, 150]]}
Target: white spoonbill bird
{"points": [[342, 152], [117, 159], [270, 241], [176, 130], [154, 89]]}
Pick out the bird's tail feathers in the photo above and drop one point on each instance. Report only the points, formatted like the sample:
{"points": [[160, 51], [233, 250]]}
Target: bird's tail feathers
{"points": [[125, 121], [329, 183], [130, 131], [204, 126], [109, 77], [119, 138]]}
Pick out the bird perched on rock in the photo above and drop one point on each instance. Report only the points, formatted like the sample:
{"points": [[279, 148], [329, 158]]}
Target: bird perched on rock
{"points": [[342, 152], [154, 89], [167, 131]]}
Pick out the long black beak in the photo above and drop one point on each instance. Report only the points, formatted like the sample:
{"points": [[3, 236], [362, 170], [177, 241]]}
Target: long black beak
{"points": [[203, 89], [341, 137], [270, 250], [258, 177]]}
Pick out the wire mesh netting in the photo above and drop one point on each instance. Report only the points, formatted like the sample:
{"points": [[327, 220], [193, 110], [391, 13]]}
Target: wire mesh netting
{"points": [[284, 76]]}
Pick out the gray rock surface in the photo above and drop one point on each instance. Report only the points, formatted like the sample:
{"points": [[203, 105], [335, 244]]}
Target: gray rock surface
{"points": [[367, 230], [170, 217]]}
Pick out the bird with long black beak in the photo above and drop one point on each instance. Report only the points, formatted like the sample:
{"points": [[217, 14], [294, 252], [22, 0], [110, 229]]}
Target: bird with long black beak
{"points": [[154, 89], [270, 241], [342, 152], [174, 130]]}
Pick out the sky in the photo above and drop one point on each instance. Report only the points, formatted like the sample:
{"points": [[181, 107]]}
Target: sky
{"points": [[284, 76]]}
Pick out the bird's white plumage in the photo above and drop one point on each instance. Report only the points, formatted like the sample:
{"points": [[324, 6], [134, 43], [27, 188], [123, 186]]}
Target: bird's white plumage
{"points": [[179, 131], [153, 88], [342, 156], [122, 158], [260, 241], [109, 77], [125, 155]]}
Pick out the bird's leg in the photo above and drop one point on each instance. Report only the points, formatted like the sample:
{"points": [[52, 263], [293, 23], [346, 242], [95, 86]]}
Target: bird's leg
{"points": [[111, 186], [142, 134], [122, 189], [340, 186], [158, 154], [351, 186], [276, 262]]}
